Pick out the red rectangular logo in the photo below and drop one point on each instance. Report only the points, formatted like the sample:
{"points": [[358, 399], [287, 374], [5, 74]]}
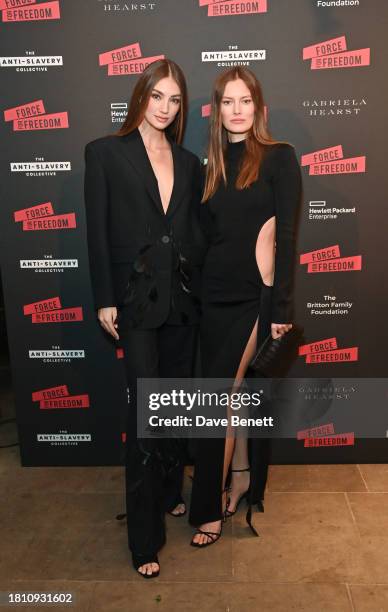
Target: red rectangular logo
{"points": [[330, 252], [324, 155], [343, 439], [350, 165], [9, 4], [342, 264], [348, 59], [53, 121], [64, 315], [206, 110], [123, 54], [328, 47], [34, 212], [54, 222], [50, 393], [24, 111], [72, 401], [314, 432], [132, 67], [42, 306], [38, 12], [317, 347], [341, 355], [236, 7]]}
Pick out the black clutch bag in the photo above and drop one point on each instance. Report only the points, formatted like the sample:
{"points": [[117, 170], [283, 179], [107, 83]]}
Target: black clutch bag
{"points": [[275, 355]]}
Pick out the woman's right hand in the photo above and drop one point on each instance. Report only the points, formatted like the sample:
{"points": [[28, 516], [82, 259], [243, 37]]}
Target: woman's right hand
{"points": [[107, 317]]}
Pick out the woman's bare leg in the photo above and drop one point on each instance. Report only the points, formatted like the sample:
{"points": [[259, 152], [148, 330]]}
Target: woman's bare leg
{"points": [[265, 253], [265, 259], [239, 482], [215, 526]]}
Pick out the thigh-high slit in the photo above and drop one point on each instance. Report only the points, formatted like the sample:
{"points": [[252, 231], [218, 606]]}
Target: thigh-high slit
{"points": [[246, 276], [231, 325]]}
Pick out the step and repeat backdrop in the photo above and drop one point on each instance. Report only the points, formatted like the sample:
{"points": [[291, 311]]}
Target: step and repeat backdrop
{"points": [[67, 69]]}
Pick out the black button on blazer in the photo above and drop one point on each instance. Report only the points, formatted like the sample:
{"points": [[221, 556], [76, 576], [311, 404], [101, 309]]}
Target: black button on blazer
{"points": [[142, 258]]}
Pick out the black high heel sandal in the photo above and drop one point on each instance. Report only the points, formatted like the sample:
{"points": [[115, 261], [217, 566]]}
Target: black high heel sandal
{"points": [[139, 560], [246, 495], [229, 513], [213, 535]]}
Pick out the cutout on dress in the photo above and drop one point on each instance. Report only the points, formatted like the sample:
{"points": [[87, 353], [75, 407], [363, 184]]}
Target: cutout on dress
{"points": [[265, 251]]}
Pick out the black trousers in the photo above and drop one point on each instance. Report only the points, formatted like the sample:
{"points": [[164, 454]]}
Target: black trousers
{"points": [[153, 467]]}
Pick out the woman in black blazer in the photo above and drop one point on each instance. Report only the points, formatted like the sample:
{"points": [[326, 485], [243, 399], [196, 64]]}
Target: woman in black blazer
{"points": [[145, 250]]}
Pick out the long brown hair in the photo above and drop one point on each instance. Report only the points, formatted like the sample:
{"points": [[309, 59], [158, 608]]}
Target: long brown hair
{"points": [[141, 94], [257, 139]]}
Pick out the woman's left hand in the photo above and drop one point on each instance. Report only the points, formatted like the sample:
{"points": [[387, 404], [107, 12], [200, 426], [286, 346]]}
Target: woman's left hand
{"points": [[278, 329]]}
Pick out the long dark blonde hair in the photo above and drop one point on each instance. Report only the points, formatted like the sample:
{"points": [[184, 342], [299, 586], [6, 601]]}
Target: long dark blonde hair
{"points": [[141, 94], [256, 141]]}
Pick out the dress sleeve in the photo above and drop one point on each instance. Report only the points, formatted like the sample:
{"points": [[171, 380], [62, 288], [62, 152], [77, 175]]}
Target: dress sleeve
{"points": [[96, 206], [287, 185]]}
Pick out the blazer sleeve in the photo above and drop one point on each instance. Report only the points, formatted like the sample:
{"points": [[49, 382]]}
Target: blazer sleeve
{"points": [[197, 179], [287, 185], [205, 216], [97, 207]]}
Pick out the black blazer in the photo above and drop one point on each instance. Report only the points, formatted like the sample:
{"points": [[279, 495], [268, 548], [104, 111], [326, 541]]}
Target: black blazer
{"points": [[139, 256]]}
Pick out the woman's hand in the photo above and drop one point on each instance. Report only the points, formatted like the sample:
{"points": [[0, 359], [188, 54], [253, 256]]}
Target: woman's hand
{"points": [[107, 317], [278, 329]]}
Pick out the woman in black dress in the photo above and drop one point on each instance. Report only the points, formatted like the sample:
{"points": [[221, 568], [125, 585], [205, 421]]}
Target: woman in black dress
{"points": [[142, 199], [250, 205]]}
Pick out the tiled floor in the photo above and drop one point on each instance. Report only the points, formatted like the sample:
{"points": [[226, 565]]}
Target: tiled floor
{"points": [[323, 544]]}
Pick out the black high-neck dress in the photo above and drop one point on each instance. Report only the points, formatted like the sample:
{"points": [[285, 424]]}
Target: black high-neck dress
{"points": [[234, 295]]}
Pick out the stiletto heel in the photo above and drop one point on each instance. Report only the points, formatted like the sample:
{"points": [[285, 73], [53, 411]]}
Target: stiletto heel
{"points": [[245, 495], [224, 512], [229, 513]]}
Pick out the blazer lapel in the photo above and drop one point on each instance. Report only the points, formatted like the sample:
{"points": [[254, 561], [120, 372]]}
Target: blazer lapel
{"points": [[134, 150]]}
